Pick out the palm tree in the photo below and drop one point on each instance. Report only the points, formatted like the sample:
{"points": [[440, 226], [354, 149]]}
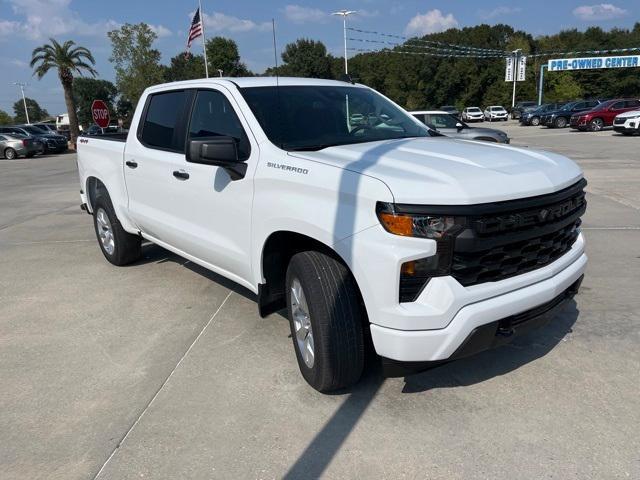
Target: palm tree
{"points": [[67, 58]]}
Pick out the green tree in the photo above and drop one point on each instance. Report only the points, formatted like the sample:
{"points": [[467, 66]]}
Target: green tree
{"points": [[5, 118], [124, 110], [563, 87], [184, 66], [36, 112], [67, 59], [305, 58], [222, 53], [136, 62], [86, 90]]}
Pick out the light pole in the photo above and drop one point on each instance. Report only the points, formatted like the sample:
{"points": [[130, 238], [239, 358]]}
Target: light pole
{"points": [[516, 58], [220, 71], [24, 100], [344, 14]]}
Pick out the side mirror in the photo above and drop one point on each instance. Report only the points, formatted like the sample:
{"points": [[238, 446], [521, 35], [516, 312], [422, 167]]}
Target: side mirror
{"points": [[218, 151]]}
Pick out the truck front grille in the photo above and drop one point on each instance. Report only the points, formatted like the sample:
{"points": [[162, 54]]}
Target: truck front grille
{"points": [[515, 237]]}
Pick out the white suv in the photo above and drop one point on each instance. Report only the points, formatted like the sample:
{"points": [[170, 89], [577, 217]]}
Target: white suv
{"points": [[627, 123], [495, 112], [472, 114]]}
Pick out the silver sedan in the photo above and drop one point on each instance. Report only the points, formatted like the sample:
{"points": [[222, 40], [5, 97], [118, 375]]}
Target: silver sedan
{"points": [[13, 146]]}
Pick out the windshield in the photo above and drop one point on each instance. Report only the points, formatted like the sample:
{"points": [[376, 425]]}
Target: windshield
{"points": [[316, 117], [441, 120], [568, 106], [497, 109], [33, 130], [474, 110]]}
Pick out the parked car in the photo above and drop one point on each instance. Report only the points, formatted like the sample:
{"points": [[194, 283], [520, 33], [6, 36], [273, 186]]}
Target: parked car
{"points": [[627, 123], [560, 118], [46, 127], [379, 232], [53, 143], [13, 146], [495, 112], [450, 126], [472, 114], [603, 114], [532, 116], [114, 128], [451, 110], [516, 112]]}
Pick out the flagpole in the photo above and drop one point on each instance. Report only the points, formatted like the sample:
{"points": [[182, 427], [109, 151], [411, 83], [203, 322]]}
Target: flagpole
{"points": [[204, 40]]}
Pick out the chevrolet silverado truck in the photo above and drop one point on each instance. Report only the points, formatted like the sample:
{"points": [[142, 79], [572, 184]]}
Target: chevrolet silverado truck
{"points": [[376, 236]]}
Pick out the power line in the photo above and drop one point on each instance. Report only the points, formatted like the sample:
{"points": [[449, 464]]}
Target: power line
{"points": [[428, 42], [583, 52], [427, 54], [436, 50]]}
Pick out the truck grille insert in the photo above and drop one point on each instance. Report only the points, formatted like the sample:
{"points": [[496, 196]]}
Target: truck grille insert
{"points": [[518, 237]]}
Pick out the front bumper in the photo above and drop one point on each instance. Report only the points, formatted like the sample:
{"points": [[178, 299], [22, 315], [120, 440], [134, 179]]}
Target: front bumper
{"points": [[485, 316], [629, 126]]}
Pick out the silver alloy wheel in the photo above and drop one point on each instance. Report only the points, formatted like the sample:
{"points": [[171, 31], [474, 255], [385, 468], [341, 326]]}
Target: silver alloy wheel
{"points": [[535, 121], [597, 124], [10, 154], [302, 323], [105, 231]]}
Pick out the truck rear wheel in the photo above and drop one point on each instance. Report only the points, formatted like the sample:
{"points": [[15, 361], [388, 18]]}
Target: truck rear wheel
{"points": [[118, 246], [325, 316]]}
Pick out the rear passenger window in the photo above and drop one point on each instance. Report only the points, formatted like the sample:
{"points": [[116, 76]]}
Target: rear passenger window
{"points": [[617, 106], [213, 116], [632, 103], [162, 124]]}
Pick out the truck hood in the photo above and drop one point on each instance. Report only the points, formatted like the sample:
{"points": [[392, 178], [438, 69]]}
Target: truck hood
{"points": [[442, 171], [632, 113]]}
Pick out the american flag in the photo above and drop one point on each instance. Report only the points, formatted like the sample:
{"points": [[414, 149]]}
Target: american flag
{"points": [[196, 28]]}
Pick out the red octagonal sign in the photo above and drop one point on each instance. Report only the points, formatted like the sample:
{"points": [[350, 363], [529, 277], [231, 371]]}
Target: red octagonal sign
{"points": [[100, 113]]}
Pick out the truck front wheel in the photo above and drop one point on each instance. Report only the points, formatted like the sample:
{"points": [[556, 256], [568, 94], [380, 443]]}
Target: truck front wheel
{"points": [[325, 316], [118, 246]]}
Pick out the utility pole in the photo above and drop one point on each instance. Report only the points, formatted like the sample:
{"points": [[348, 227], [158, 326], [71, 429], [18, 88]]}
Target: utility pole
{"points": [[516, 59], [24, 100], [344, 14]]}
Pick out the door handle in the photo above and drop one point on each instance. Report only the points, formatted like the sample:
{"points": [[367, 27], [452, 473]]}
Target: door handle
{"points": [[131, 164], [181, 175]]}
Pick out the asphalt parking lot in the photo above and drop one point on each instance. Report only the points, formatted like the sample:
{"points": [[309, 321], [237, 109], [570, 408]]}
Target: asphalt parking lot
{"points": [[164, 370]]}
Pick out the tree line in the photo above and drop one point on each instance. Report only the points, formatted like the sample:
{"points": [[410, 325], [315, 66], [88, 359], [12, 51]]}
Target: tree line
{"points": [[413, 81]]}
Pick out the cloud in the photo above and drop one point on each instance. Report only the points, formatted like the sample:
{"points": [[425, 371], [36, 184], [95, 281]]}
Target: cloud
{"points": [[50, 18], [431, 22], [160, 30], [220, 22], [18, 63], [298, 14], [498, 12], [601, 11]]}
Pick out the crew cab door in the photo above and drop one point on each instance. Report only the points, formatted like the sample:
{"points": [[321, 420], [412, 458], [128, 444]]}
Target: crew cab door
{"points": [[197, 208]]}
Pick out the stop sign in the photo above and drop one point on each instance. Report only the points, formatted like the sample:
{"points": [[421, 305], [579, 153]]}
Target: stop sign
{"points": [[100, 113]]}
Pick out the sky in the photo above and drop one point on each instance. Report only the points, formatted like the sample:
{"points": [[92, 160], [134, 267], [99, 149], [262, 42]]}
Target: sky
{"points": [[26, 24]]}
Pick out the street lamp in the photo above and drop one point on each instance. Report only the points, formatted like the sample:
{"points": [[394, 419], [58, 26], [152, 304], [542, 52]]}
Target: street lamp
{"points": [[24, 100], [344, 14]]}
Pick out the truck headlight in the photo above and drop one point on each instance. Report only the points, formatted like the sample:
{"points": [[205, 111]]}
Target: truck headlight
{"points": [[415, 274]]}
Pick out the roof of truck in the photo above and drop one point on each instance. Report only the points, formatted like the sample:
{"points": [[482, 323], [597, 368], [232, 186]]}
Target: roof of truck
{"points": [[243, 82]]}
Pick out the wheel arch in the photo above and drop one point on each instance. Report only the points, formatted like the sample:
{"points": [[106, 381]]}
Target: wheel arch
{"points": [[277, 251], [94, 187]]}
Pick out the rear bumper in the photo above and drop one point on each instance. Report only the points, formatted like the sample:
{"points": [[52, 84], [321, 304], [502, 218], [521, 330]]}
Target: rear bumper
{"points": [[443, 343]]}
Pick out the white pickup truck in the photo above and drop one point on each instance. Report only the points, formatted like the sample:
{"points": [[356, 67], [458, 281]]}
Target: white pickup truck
{"points": [[327, 199]]}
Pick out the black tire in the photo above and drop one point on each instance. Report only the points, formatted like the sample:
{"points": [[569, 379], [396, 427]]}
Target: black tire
{"points": [[10, 154], [596, 125], [560, 122], [336, 318], [127, 248], [30, 154]]}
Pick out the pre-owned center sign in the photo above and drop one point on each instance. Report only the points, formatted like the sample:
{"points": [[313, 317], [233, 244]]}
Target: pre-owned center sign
{"points": [[588, 63]]}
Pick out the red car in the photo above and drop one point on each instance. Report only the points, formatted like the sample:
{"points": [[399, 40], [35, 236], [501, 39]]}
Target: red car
{"points": [[602, 115]]}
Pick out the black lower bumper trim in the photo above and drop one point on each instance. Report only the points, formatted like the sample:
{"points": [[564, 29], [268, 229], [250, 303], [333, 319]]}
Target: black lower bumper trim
{"points": [[490, 335]]}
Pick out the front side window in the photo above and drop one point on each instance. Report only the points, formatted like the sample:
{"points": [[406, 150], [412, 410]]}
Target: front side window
{"points": [[617, 106], [442, 120], [317, 117], [213, 116], [162, 124]]}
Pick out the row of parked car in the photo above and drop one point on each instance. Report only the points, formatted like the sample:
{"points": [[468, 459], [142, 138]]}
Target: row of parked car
{"points": [[623, 114], [29, 140], [493, 113]]}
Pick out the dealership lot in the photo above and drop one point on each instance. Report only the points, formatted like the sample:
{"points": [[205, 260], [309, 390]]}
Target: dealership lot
{"points": [[164, 370]]}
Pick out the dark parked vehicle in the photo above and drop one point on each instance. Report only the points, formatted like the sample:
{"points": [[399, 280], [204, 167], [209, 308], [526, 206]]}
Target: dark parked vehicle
{"points": [[450, 109], [52, 142], [520, 107], [532, 116], [46, 127], [560, 118], [13, 146], [602, 115], [450, 126]]}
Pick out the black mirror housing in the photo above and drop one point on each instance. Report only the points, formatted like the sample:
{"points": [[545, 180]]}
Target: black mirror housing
{"points": [[219, 151]]}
